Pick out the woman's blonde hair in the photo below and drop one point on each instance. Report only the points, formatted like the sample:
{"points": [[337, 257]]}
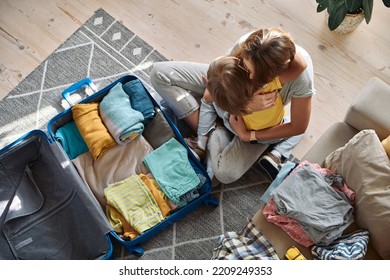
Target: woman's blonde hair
{"points": [[229, 84]]}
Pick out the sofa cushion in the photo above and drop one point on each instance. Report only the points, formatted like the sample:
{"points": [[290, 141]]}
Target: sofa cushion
{"points": [[335, 137], [361, 115], [365, 167]]}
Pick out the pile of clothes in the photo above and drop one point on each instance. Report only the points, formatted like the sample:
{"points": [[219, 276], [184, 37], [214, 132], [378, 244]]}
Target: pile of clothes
{"points": [[313, 206]]}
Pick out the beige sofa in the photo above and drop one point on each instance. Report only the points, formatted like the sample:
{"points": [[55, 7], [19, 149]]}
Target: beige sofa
{"points": [[355, 150]]}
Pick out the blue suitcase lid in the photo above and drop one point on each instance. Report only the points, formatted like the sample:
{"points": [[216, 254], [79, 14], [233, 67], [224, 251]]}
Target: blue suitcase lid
{"points": [[31, 201]]}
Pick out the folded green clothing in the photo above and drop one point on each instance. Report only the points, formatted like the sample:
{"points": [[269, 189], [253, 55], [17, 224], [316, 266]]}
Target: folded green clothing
{"points": [[170, 166]]}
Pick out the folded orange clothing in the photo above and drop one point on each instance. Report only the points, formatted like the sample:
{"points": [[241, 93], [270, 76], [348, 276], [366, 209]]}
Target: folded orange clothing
{"points": [[91, 127], [157, 194]]}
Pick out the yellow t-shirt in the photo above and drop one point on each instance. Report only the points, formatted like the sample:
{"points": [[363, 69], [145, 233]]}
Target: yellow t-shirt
{"points": [[268, 117]]}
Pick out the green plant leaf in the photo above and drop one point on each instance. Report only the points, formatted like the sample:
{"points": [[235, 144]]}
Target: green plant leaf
{"points": [[322, 5], [337, 13], [322, 2], [320, 8], [367, 7], [354, 5], [332, 5]]}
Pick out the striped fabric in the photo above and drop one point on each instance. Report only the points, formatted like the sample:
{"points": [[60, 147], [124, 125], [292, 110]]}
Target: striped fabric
{"points": [[249, 244], [352, 246], [132, 198]]}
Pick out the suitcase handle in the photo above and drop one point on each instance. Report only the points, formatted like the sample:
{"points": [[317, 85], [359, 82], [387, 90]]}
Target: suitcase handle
{"points": [[75, 87]]}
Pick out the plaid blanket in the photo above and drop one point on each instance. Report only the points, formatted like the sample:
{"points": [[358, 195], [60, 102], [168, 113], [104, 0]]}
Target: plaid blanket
{"points": [[248, 244]]}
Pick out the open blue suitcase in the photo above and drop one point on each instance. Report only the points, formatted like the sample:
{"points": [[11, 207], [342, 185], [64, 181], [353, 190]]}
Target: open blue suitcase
{"points": [[88, 201]]}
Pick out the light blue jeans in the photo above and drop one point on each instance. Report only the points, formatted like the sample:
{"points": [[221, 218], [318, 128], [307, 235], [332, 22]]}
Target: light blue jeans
{"points": [[230, 158], [181, 87]]}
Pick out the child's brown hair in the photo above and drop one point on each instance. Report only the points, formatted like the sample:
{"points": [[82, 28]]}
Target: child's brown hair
{"points": [[229, 84]]}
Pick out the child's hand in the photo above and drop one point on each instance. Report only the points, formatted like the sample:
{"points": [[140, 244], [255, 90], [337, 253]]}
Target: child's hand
{"points": [[204, 78], [261, 101], [206, 95], [239, 127]]}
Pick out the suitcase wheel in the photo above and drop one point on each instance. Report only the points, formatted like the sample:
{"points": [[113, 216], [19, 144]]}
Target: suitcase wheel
{"points": [[136, 251], [211, 202]]}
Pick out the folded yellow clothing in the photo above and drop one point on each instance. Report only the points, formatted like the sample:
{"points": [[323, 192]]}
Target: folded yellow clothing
{"points": [[119, 223], [90, 125], [132, 198]]}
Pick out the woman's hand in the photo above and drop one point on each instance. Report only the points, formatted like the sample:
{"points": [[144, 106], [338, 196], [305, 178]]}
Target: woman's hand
{"points": [[239, 127], [261, 101]]}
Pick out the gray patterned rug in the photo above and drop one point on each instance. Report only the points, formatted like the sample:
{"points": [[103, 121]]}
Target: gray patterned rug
{"points": [[104, 50]]}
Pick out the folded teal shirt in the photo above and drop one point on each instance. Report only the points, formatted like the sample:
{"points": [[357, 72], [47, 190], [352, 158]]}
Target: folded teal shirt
{"points": [[172, 170], [122, 121], [71, 140]]}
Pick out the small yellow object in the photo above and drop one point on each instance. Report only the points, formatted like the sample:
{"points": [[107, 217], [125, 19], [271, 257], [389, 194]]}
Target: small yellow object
{"points": [[294, 254]]}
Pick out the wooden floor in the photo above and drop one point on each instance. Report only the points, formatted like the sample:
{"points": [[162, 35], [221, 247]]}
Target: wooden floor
{"points": [[201, 30]]}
